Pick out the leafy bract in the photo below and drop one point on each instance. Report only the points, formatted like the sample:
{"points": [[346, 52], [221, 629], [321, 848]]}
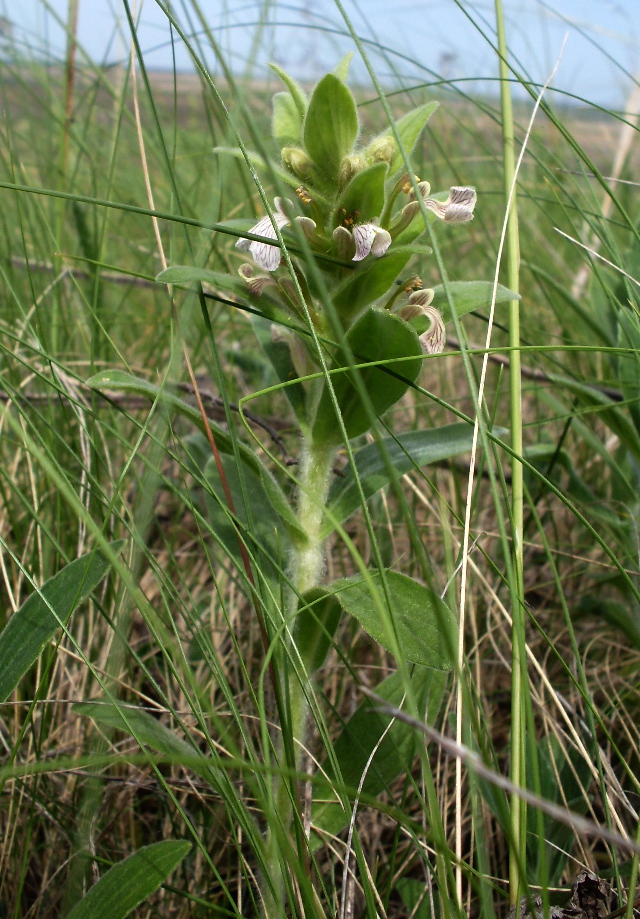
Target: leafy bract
{"points": [[286, 122], [409, 128], [297, 93], [330, 125], [364, 195], [369, 281], [45, 611], [376, 336]]}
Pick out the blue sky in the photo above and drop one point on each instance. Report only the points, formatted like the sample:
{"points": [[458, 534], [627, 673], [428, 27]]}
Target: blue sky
{"points": [[602, 38]]}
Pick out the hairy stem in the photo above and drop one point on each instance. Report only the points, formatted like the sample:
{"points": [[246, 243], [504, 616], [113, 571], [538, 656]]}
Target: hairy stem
{"points": [[305, 571]]}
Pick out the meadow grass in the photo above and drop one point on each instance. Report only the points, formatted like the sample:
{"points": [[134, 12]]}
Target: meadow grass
{"points": [[165, 708]]}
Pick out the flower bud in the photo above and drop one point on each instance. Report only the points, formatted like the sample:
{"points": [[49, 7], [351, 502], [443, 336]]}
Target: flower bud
{"points": [[350, 166], [382, 149], [296, 160]]}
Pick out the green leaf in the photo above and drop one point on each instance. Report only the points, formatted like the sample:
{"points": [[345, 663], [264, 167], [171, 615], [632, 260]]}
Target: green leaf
{"points": [[376, 336], [370, 281], [409, 128], [259, 162], [562, 771], [121, 381], [415, 896], [319, 614], [188, 275], [468, 296], [44, 612], [330, 125], [423, 623], [403, 453], [297, 93], [146, 729], [286, 122], [363, 196], [279, 355], [359, 738], [259, 523], [131, 881]]}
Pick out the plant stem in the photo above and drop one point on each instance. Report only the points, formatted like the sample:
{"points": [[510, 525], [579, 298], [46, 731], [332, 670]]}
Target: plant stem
{"points": [[305, 571], [519, 673]]}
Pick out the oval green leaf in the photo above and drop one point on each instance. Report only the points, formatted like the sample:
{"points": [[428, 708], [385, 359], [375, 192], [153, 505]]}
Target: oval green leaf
{"points": [[44, 612], [370, 281], [286, 122], [360, 737], [423, 623], [131, 881], [146, 729], [468, 296], [319, 614], [376, 336]]}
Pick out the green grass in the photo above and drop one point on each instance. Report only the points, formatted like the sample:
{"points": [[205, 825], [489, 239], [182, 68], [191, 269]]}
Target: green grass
{"points": [[193, 737]]}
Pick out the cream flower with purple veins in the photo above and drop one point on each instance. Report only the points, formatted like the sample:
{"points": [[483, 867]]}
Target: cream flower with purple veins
{"points": [[264, 255], [457, 208], [433, 340], [369, 237]]}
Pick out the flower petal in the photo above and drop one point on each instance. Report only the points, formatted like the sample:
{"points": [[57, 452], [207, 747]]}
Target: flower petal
{"points": [[433, 340], [369, 237], [264, 255], [255, 283], [458, 207], [363, 236], [381, 243]]}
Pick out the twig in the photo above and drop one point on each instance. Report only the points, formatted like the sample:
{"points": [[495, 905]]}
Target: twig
{"points": [[475, 765]]}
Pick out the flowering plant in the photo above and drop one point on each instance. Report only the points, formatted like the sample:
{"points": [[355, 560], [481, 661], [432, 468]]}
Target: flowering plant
{"points": [[349, 335]]}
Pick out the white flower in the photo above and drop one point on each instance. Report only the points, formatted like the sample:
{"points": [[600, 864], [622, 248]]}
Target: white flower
{"points": [[369, 237], [457, 208], [264, 255]]}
